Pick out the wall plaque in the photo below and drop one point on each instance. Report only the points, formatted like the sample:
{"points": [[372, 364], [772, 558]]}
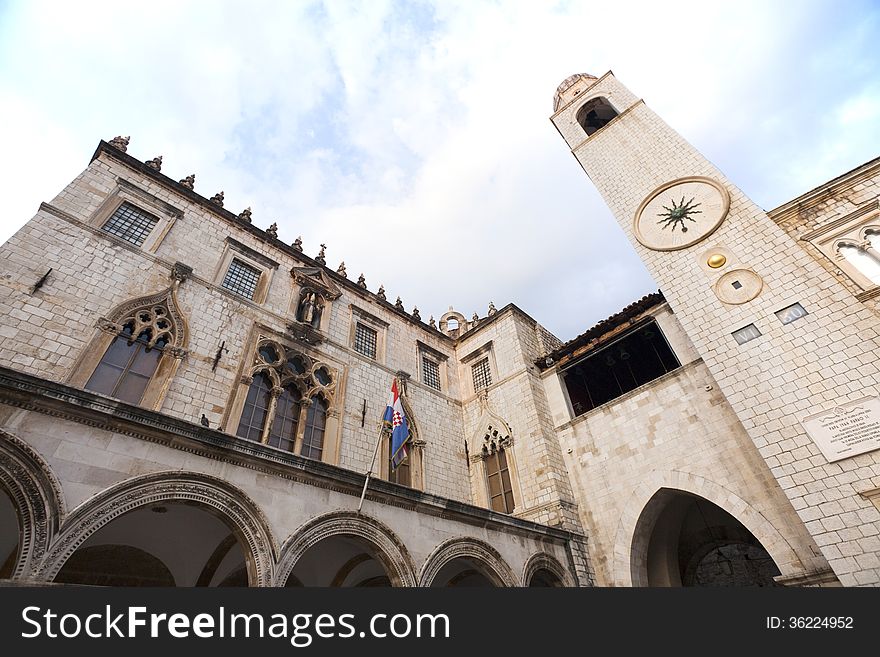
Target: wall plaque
{"points": [[846, 430]]}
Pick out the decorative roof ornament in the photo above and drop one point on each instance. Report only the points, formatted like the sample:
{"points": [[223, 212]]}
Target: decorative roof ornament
{"points": [[341, 270], [415, 314], [492, 309], [381, 293], [320, 258], [189, 182], [155, 163], [298, 244], [272, 230], [432, 323], [217, 199], [475, 319], [399, 304], [246, 214], [120, 143], [362, 282]]}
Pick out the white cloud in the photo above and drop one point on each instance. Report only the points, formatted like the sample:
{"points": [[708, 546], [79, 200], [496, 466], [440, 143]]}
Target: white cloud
{"points": [[414, 139]]}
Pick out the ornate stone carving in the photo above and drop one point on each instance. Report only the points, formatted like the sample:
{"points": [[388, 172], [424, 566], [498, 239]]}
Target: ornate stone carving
{"points": [[246, 215], [469, 548], [38, 499], [544, 561], [293, 368], [120, 143], [189, 182], [320, 258], [158, 313], [217, 199], [381, 293], [492, 309], [316, 278], [180, 272], [389, 549], [298, 244], [226, 500], [362, 282], [432, 323], [415, 314], [341, 270], [109, 326], [155, 163], [475, 320], [399, 304], [272, 231]]}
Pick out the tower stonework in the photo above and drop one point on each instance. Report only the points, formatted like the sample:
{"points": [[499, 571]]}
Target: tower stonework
{"points": [[737, 273]]}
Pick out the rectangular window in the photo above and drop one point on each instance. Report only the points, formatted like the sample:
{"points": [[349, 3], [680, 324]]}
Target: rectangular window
{"points": [[242, 279], [430, 373], [482, 375], [612, 371], [365, 340], [131, 224]]}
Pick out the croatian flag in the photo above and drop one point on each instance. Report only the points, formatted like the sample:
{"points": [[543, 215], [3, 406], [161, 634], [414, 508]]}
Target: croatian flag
{"points": [[396, 419]]}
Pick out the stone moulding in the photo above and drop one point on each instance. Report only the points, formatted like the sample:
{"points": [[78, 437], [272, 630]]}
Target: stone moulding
{"points": [[225, 500], [389, 550], [469, 548], [37, 497]]}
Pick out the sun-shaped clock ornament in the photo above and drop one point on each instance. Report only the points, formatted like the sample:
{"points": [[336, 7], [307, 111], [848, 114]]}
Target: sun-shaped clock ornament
{"points": [[680, 213]]}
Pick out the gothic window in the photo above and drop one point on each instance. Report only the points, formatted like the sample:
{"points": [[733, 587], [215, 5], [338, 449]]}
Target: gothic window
{"points": [[402, 473], [241, 278], [288, 401], [497, 470], [129, 363], [595, 114], [313, 437], [613, 370], [130, 223], [482, 374], [365, 340], [310, 308], [287, 412], [256, 408]]}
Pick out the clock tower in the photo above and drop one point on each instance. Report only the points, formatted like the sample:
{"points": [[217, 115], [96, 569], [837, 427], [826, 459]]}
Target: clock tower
{"points": [[791, 348]]}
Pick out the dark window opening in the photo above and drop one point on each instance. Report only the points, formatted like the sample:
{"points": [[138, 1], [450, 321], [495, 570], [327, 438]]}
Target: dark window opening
{"points": [[614, 370], [127, 366], [498, 480], [595, 114]]}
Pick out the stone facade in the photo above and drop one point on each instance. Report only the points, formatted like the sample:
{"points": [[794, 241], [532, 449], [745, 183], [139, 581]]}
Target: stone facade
{"points": [[686, 478]]}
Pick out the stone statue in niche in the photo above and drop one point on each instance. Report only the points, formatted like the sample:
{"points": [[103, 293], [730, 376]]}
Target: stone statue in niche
{"points": [[310, 308]]}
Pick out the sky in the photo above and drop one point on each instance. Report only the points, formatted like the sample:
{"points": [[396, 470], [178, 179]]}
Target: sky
{"points": [[413, 138]]}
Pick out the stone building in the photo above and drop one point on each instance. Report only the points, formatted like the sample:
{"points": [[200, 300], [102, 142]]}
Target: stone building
{"points": [[187, 400]]}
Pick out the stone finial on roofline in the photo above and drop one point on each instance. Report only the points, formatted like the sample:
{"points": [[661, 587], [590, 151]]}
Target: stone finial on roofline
{"points": [[155, 163], [120, 143], [189, 182]]}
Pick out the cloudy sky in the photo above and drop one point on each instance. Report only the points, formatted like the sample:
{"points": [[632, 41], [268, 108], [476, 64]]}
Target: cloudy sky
{"points": [[413, 137]]}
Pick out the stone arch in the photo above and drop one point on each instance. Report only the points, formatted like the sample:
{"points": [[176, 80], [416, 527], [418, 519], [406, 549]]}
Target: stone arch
{"points": [[468, 548], [37, 497], [390, 550], [222, 498], [544, 561], [629, 528], [595, 113]]}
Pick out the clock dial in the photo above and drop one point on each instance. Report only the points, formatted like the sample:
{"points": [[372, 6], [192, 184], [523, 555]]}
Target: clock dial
{"points": [[681, 213]]}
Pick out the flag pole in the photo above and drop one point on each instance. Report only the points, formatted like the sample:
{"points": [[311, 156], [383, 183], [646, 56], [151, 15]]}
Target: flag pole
{"points": [[372, 463]]}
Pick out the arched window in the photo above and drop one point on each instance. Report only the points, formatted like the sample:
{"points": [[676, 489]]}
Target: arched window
{"points": [[313, 436], [498, 479], [863, 260], [595, 114], [130, 362], [256, 408], [284, 426], [288, 403]]}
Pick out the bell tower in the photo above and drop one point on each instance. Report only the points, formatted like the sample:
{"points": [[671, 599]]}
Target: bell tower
{"points": [[794, 352]]}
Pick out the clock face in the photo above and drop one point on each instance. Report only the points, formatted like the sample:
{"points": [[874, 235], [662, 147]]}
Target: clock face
{"points": [[681, 213]]}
